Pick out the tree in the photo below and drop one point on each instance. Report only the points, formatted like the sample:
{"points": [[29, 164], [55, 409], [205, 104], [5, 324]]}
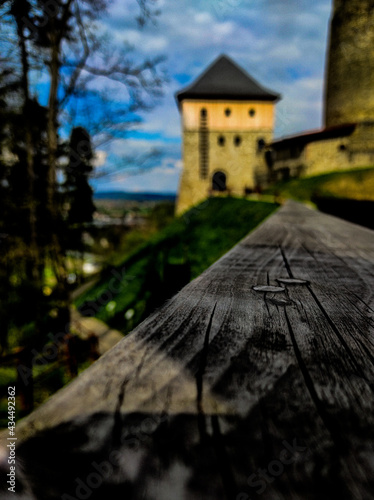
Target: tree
{"points": [[78, 190], [78, 194], [57, 38]]}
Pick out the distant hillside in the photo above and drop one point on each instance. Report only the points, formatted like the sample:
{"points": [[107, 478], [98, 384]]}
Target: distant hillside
{"points": [[154, 272], [123, 195]]}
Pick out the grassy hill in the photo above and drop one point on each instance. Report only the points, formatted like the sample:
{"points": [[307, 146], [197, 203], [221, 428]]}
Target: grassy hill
{"points": [[127, 293], [357, 184]]}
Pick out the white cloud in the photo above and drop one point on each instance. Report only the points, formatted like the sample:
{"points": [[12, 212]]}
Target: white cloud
{"points": [[100, 158], [147, 42], [179, 164], [203, 17]]}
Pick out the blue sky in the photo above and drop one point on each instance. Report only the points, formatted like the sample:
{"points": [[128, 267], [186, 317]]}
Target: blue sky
{"points": [[281, 43]]}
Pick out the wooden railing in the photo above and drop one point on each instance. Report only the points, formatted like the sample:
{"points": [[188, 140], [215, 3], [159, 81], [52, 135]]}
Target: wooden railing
{"points": [[255, 381]]}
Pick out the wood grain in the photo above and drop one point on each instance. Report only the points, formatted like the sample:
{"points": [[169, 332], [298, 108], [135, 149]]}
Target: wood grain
{"points": [[228, 392]]}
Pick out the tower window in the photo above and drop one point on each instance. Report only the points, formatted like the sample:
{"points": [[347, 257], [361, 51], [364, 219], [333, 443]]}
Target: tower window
{"points": [[252, 112], [237, 140], [203, 113], [221, 140], [260, 145], [227, 111]]}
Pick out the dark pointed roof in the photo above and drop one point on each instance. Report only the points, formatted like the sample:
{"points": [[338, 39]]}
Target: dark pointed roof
{"points": [[224, 79]]}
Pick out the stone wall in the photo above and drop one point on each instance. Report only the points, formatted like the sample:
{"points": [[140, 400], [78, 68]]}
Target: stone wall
{"points": [[329, 155], [350, 69]]}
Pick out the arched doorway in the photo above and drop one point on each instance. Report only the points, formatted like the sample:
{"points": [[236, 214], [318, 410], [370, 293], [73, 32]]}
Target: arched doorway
{"points": [[219, 181]]}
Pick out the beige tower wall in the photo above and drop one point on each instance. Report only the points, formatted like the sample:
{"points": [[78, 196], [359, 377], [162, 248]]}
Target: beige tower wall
{"points": [[350, 69], [239, 162], [239, 119]]}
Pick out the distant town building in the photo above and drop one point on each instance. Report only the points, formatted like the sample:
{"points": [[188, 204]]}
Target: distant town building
{"points": [[228, 119]]}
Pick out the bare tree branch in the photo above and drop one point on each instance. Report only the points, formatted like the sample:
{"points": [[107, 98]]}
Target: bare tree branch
{"points": [[131, 165]]}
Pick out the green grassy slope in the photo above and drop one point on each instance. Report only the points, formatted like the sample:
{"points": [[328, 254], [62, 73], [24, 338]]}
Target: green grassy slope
{"points": [[126, 294], [355, 184]]}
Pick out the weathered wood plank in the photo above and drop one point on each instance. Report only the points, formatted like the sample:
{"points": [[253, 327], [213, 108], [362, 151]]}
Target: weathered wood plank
{"points": [[229, 392]]}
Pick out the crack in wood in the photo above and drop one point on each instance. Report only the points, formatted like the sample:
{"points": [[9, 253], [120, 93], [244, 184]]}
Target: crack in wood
{"points": [[140, 365], [267, 307], [365, 304], [363, 346], [334, 255], [286, 262], [368, 320], [200, 376], [337, 333], [341, 447], [117, 418]]}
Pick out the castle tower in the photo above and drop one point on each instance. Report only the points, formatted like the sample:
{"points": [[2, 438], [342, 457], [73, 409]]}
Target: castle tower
{"points": [[350, 69], [227, 119]]}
